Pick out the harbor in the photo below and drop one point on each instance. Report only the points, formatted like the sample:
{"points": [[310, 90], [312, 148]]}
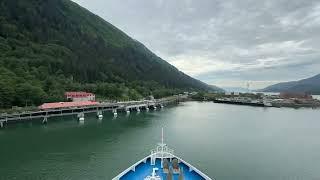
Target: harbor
{"points": [[284, 99], [79, 109], [243, 102], [209, 136], [159, 90]]}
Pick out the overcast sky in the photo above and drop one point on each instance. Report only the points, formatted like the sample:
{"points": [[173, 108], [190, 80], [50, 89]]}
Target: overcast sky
{"points": [[224, 42]]}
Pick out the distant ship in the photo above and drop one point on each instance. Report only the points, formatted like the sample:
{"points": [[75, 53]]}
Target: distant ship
{"points": [[162, 164], [243, 102]]}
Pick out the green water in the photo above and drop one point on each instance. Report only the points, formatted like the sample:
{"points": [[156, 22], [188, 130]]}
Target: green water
{"points": [[226, 142]]}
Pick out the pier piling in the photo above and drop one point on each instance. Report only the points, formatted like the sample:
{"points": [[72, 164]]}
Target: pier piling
{"points": [[114, 111], [99, 114], [45, 120], [81, 117], [44, 114], [127, 111]]}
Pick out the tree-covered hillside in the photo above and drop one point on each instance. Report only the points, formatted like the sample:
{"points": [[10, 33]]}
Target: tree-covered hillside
{"points": [[50, 46]]}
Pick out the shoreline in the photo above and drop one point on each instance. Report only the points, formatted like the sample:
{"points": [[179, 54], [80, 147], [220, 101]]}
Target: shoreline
{"points": [[260, 100], [80, 112]]}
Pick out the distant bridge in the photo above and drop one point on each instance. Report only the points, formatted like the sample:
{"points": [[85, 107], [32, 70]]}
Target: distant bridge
{"points": [[126, 106]]}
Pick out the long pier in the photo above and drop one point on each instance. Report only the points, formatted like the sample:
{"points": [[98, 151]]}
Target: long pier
{"points": [[126, 106], [247, 103]]}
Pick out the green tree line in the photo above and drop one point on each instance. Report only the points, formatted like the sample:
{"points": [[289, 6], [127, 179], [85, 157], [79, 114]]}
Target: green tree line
{"points": [[48, 47]]}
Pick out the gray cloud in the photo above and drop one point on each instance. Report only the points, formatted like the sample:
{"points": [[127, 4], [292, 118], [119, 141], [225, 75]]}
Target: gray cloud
{"points": [[224, 42]]}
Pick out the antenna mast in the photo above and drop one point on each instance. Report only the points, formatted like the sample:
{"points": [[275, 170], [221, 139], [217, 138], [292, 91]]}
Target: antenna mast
{"points": [[162, 135]]}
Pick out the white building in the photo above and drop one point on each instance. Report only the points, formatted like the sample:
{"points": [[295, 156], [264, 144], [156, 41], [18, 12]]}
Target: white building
{"points": [[80, 96]]}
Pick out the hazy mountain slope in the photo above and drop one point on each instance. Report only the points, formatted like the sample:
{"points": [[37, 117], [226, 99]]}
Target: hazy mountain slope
{"points": [[216, 88], [48, 46], [236, 89], [310, 85]]}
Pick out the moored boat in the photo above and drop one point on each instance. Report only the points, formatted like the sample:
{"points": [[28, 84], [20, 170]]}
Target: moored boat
{"points": [[162, 164]]}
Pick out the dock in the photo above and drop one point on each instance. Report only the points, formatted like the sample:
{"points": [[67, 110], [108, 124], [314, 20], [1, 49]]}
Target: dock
{"points": [[126, 106], [242, 102]]}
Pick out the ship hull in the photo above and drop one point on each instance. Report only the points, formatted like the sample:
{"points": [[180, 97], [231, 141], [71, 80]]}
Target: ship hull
{"points": [[143, 168], [239, 103]]}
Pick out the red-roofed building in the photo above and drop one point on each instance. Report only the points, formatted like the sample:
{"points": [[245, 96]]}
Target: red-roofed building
{"points": [[79, 96], [63, 105]]}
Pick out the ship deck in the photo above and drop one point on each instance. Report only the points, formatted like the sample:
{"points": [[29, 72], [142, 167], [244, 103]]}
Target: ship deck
{"points": [[145, 169]]}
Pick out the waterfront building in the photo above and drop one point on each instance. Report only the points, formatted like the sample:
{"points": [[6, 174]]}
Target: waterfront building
{"points": [[236, 93], [79, 96]]}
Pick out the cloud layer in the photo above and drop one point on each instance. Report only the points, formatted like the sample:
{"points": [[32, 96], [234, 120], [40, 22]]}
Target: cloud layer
{"points": [[224, 42]]}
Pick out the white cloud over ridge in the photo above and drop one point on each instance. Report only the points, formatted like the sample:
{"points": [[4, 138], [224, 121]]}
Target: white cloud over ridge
{"points": [[224, 42]]}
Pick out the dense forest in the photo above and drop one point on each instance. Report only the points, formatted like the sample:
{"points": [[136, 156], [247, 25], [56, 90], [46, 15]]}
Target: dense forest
{"points": [[48, 47]]}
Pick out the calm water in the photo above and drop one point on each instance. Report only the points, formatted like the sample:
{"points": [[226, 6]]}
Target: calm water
{"points": [[225, 141]]}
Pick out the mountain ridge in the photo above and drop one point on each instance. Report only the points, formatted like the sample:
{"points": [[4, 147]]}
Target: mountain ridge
{"points": [[51, 46], [308, 85]]}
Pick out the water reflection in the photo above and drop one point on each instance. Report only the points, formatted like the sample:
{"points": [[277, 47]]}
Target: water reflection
{"points": [[224, 141]]}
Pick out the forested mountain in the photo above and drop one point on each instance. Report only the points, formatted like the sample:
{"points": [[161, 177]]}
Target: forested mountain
{"points": [[50, 46], [309, 85]]}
